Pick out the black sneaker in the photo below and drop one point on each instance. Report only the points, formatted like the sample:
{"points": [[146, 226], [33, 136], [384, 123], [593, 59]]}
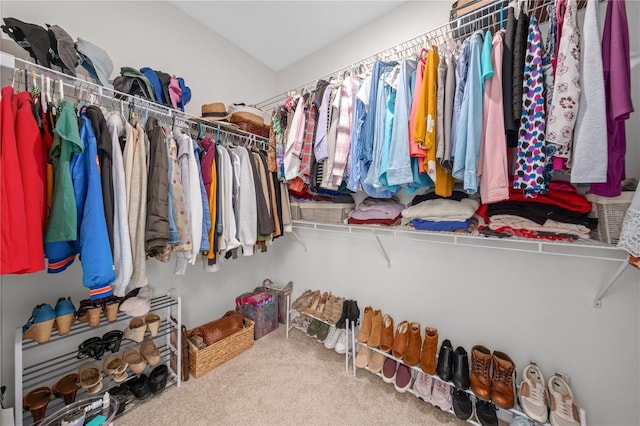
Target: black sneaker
{"points": [[140, 387], [486, 413], [123, 395], [462, 406]]}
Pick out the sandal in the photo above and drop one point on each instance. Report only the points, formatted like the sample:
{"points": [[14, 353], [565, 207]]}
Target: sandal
{"points": [[40, 324], [315, 299], [91, 348], [112, 340], [65, 316], [150, 352], [36, 401], [110, 306], [90, 378], [136, 330], [90, 311], [135, 361], [153, 323], [115, 367], [66, 388]]}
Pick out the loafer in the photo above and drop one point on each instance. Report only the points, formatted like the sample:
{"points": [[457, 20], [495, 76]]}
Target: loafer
{"points": [[140, 387], [389, 370], [158, 378], [462, 406], [402, 381], [323, 332], [445, 361], [486, 413]]}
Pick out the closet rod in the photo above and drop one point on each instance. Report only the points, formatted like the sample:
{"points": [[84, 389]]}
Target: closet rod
{"points": [[115, 96], [487, 17]]}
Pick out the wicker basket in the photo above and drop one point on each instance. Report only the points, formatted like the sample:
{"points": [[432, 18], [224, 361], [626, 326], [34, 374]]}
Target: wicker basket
{"points": [[204, 360], [610, 212], [323, 212]]}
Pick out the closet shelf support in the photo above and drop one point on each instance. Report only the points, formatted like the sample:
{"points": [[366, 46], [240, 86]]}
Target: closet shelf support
{"points": [[597, 301], [384, 252], [299, 240]]}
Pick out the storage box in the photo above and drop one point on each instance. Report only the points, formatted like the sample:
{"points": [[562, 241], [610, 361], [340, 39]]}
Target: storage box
{"points": [[610, 212], [262, 308], [282, 292], [321, 211], [204, 360]]}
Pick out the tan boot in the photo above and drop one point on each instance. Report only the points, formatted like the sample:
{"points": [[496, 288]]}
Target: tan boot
{"points": [[376, 329], [412, 357], [365, 328], [400, 340], [429, 349], [480, 372], [502, 381], [386, 341]]}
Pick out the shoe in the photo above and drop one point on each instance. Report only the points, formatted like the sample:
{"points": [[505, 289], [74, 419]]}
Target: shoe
{"points": [[65, 316], [67, 388], [158, 379], [365, 329], [412, 356], [363, 356], [376, 362], [40, 324], [376, 329], [429, 349], [319, 313], [136, 330], [441, 395], [422, 386], [93, 347], [328, 308], [502, 381], [110, 307], [302, 301], [140, 387], [460, 368], [336, 311], [315, 300], [152, 322], [400, 340], [480, 378], [522, 421], [386, 338], [462, 406], [37, 401], [533, 394], [90, 378], [332, 338], [389, 370], [150, 352], [342, 343], [445, 361], [89, 311], [314, 327], [123, 394], [402, 380], [341, 323], [486, 413], [353, 315], [115, 367], [564, 411], [134, 360], [323, 332], [112, 340]]}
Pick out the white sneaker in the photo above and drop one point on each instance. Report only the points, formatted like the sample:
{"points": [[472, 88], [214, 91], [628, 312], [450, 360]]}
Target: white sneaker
{"points": [[564, 411], [332, 338], [533, 393], [341, 341]]}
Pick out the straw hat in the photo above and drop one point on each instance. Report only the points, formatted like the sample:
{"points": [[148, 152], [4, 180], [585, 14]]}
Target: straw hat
{"points": [[217, 112]]}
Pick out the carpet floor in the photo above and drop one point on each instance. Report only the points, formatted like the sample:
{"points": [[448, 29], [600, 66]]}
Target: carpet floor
{"points": [[280, 381]]}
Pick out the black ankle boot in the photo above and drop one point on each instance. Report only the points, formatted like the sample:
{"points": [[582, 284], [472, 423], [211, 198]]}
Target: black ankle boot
{"points": [[445, 361], [354, 316], [345, 310], [460, 368]]}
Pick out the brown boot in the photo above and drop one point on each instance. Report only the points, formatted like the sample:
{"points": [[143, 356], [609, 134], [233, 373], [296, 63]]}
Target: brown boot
{"points": [[502, 381], [429, 349], [480, 372], [412, 357], [376, 329], [400, 340], [365, 328], [386, 341]]}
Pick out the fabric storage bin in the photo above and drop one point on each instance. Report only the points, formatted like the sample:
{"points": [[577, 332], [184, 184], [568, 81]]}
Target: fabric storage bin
{"points": [[610, 212], [282, 292], [325, 212], [262, 308], [201, 361]]}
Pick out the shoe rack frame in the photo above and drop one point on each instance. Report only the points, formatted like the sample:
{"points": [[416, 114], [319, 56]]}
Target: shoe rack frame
{"points": [[349, 327], [30, 375], [503, 414]]}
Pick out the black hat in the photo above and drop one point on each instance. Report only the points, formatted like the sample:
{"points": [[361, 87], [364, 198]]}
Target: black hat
{"points": [[63, 50], [33, 38]]}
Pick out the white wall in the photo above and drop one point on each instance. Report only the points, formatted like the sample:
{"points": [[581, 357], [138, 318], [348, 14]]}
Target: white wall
{"points": [[156, 34]]}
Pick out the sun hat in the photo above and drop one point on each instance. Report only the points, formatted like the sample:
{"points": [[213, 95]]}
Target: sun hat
{"points": [[217, 113], [63, 50], [32, 38], [241, 113], [95, 60]]}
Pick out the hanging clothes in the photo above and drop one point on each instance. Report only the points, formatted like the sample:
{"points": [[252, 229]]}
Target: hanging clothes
{"points": [[530, 166], [416, 149], [357, 129], [345, 121], [294, 142], [157, 225], [519, 55], [510, 120], [246, 207], [195, 201]]}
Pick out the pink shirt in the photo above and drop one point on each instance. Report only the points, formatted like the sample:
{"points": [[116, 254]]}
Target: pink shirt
{"points": [[414, 149]]}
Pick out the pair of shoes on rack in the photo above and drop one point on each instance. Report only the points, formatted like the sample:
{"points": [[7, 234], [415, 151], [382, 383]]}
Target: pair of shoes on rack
{"points": [[333, 309], [407, 343], [116, 368], [66, 388], [318, 329], [143, 387], [332, 338], [350, 313], [492, 376], [137, 360], [453, 365], [138, 327], [343, 341], [95, 347], [432, 390], [44, 319]]}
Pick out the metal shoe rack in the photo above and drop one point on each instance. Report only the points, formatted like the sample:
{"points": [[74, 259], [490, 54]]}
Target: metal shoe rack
{"points": [[35, 367], [349, 327], [506, 415]]}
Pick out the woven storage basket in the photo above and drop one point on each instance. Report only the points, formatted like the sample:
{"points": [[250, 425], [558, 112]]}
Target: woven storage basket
{"points": [[610, 212], [324, 212], [204, 360]]}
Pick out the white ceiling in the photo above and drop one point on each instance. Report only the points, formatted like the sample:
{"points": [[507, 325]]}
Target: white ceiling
{"points": [[279, 33]]}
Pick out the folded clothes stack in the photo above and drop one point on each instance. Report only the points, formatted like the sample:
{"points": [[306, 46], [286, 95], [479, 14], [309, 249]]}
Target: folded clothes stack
{"points": [[429, 212], [378, 211]]}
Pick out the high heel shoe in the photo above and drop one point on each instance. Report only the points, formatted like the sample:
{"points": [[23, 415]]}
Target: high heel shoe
{"points": [[301, 301], [314, 303], [36, 401], [136, 330], [90, 378], [65, 316], [150, 352], [153, 323], [40, 324], [321, 306], [90, 311], [66, 388], [110, 306], [134, 360]]}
